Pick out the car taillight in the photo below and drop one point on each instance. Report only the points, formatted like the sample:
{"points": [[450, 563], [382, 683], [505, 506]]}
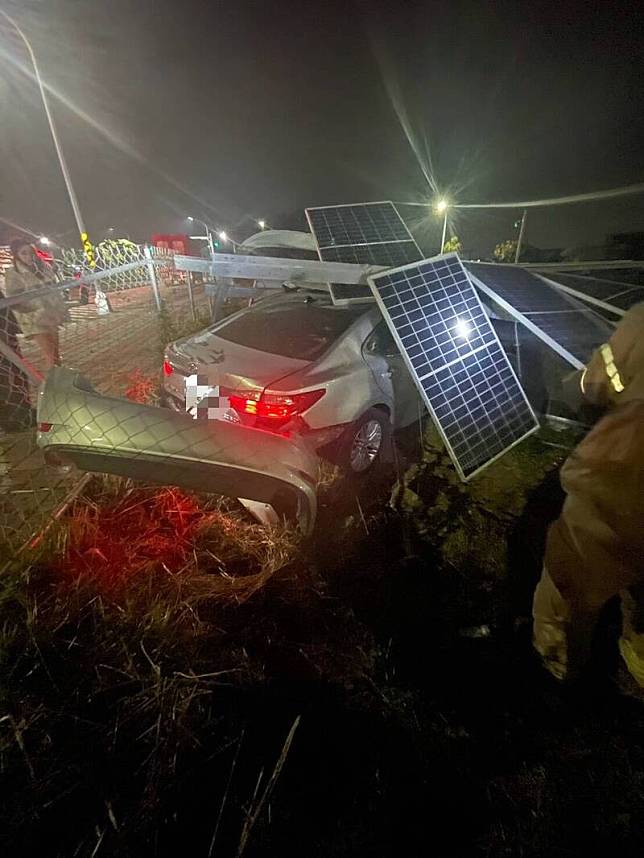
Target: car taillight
{"points": [[281, 407], [168, 369], [242, 401], [271, 408], [44, 427]]}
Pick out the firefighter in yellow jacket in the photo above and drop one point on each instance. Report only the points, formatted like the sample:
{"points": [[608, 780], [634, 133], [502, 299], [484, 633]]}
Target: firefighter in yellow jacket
{"points": [[595, 549]]}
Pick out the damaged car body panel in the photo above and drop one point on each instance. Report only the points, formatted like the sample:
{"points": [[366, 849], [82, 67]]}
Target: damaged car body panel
{"points": [[117, 436]]}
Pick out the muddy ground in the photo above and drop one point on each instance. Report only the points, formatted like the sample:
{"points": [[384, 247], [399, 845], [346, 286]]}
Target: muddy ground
{"points": [[396, 648]]}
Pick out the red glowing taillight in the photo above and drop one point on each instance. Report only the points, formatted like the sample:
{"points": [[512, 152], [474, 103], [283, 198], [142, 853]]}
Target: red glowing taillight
{"points": [[279, 406], [274, 408], [168, 369], [44, 427]]}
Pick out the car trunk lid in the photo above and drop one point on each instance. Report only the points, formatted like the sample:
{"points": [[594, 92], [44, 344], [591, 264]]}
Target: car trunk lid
{"points": [[227, 364]]}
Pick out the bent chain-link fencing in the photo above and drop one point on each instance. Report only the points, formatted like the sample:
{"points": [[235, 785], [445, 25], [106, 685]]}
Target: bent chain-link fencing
{"points": [[113, 323]]}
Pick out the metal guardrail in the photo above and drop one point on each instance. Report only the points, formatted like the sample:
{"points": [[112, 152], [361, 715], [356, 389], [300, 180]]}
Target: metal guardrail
{"points": [[266, 268]]}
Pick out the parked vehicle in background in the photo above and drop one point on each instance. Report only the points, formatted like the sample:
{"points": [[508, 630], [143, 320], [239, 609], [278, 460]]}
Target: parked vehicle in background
{"points": [[295, 363]]}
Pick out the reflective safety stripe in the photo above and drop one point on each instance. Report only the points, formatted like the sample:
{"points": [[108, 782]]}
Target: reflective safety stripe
{"points": [[633, 658], [611, 370]]}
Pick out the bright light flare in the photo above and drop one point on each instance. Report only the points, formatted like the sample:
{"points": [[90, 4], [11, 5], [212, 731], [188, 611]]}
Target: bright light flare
{"points": [[44, 240], [223, 235], [463, 328], [261, 224], [442, 206]]}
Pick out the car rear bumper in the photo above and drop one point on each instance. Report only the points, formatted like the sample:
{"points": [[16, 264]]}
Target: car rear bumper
{"points": [[109, 435]]}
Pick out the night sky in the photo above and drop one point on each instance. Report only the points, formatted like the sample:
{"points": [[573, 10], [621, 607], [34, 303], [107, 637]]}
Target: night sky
{"points": [[239, 110]]}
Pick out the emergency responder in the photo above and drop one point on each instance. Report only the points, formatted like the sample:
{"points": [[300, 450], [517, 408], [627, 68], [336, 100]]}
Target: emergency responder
{"points": [[595, 549], [42, 316], [16, 412]]}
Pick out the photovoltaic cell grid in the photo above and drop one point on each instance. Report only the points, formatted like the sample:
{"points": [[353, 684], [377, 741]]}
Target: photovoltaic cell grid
{"points": [[455, 359], [362, 233], [622, 296], [562, 322]]}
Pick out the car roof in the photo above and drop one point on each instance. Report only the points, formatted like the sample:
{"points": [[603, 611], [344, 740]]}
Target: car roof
{"points": [[322, 299]]}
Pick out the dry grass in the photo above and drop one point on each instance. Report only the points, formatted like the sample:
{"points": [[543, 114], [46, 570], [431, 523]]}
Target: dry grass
{"points": [[120, 540], [118, 637], [142, 388]]}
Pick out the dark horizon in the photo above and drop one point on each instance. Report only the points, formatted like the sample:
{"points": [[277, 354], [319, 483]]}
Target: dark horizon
{"points": [[238, 113]]}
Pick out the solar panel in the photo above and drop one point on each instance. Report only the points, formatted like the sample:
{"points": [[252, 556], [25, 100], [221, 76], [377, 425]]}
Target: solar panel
{"points": [[562, 322], [362, 233], [615, 297], [455, 359]]}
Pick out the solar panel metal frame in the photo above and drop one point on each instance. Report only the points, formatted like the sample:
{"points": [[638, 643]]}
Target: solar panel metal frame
{"points": [[582, 296], [521, 317], [367, 298], [412, 371]]}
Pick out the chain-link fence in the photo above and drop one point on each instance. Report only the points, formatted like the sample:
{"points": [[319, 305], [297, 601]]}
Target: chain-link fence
{"points": [[110, 322]]}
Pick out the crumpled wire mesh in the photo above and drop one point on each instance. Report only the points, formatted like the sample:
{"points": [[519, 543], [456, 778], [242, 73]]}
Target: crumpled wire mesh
{"points": [[119, 322]]}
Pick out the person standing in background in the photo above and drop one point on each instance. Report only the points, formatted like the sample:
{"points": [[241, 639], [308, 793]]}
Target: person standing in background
{"points": [[16, 412], [42, 316]]}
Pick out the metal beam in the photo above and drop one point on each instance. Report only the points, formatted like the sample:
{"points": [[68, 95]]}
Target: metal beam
{"points": [[304, 271], [597, 264]]}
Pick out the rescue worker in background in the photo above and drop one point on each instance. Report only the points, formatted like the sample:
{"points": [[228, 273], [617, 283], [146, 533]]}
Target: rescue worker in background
{"points": [[595, 549], [16, 412], [41, 317]]}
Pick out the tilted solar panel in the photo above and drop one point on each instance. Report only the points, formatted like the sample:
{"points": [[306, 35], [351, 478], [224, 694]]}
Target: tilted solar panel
{"points": [[456, 360], [363, 233], [616, 297], [562, 322]]}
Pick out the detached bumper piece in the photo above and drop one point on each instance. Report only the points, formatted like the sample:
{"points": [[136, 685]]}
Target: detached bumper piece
{"points": [[116, 436]]}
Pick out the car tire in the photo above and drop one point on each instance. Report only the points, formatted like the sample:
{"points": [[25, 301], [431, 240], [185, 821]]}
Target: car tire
{"points": [[362, 443]]}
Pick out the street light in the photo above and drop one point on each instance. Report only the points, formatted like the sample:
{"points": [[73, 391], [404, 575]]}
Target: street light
{"points": [[261, 224], [44, 240], [52, 128], [442, 206], [223, 236], [211, 245]]}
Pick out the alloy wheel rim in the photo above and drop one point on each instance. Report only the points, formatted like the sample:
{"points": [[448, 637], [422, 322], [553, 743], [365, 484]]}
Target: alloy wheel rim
{"points": [[366, 445]]}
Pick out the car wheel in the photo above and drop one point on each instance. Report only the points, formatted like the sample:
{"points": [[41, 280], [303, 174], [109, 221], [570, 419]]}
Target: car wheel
{"points": [[362, 443]]}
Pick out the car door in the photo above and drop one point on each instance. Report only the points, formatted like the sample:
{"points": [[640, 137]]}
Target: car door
{"points": [[381, 353]]}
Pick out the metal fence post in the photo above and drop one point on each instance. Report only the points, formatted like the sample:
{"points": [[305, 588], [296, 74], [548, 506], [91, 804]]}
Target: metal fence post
{"points": [[517, 255], [153, 276], [191, 297], [222, 284]]}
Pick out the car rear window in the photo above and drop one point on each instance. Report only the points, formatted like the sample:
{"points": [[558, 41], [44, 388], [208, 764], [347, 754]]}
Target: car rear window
{"points": [[298, 330]]}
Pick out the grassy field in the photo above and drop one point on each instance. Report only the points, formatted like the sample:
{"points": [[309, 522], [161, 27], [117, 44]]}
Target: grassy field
{"points": [[178, 680]]}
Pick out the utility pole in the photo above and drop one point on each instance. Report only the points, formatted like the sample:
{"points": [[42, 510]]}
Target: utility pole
{"points": [[520, 239], [87, 246]]}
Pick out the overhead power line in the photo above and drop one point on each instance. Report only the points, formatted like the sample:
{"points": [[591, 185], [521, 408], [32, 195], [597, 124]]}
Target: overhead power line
{"points": [[624, 191]]}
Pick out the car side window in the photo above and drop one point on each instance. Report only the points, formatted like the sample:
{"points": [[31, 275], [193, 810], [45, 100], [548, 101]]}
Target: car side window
{"points": [[381, 342]]}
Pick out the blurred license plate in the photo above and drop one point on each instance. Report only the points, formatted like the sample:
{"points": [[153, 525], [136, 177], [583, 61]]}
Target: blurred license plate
{"points": [[204, 402]]}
